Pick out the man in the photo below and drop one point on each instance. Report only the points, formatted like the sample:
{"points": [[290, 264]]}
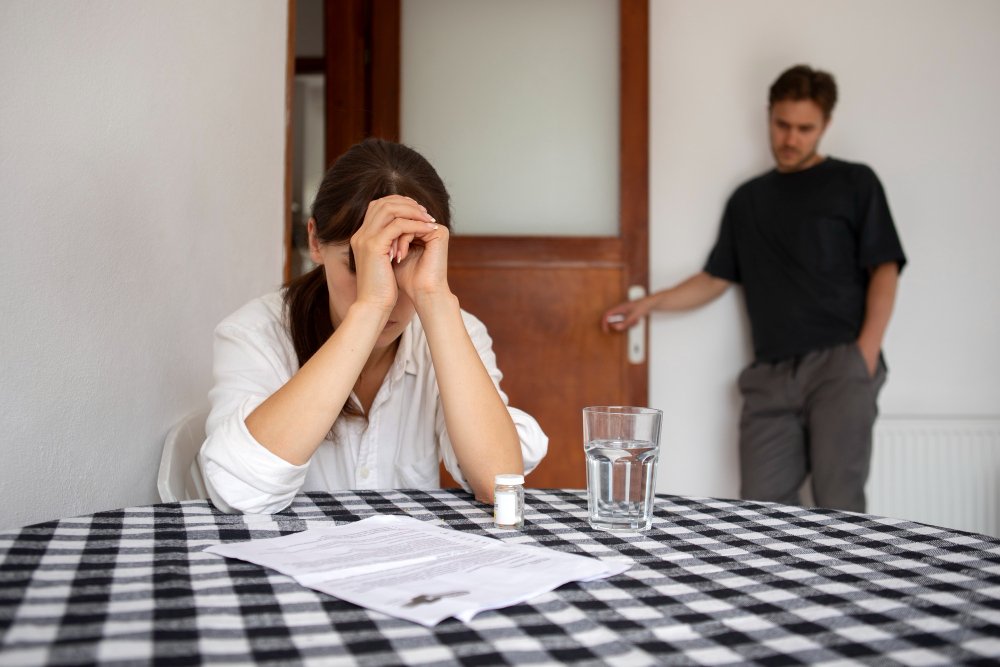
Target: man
{"points": [[815, 248]]}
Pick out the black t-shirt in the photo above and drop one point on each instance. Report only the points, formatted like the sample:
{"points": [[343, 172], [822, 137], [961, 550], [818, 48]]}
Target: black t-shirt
{"points": [[802, 245]]}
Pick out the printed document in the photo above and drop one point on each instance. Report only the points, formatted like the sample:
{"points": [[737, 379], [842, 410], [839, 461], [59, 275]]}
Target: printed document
{"points": [[410, 569]]}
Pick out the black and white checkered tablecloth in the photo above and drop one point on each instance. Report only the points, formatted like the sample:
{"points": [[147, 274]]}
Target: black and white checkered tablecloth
{"points": [[715, 582]]}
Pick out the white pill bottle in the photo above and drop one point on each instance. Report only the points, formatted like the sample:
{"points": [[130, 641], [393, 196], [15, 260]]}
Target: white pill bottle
{"points": [[508, 501]]}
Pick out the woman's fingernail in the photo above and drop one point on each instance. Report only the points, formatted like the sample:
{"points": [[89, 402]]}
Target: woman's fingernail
{"points": [[431, 217]]}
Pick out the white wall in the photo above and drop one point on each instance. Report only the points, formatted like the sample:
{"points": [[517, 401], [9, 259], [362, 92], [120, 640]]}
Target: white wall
{"points": [[919, 102], [141, 196]]}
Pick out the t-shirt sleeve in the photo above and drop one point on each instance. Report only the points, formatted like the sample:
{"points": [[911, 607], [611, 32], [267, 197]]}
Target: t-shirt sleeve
{"points": [[878, 241], [722, 261]]}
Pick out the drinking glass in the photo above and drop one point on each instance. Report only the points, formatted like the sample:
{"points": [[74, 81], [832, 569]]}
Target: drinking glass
{"points": [[622, 445]]}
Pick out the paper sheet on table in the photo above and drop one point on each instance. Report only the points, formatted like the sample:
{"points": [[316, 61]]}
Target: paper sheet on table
{"points": [[410, 569]]}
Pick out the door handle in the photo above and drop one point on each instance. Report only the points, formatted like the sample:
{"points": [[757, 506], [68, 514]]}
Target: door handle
{"points": [[637, 332]]}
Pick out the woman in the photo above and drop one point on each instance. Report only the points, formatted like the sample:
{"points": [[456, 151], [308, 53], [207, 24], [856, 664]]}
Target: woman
{"points": [[334, 384]]}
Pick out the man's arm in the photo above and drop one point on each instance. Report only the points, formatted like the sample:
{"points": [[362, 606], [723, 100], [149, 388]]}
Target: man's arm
{"points": [[696, 291], [878, 309]]}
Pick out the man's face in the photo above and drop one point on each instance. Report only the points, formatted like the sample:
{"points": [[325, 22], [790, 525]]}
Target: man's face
{"points": [[796, 127]]}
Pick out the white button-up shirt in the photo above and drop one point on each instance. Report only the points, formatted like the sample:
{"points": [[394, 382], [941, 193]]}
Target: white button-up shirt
{"points": [[399, 446]]}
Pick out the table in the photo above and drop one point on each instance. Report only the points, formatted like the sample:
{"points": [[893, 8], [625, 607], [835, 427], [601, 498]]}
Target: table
{"points": [[715, 582]]}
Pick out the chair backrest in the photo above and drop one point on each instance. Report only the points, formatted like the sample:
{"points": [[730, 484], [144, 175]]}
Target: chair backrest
{"points": [[180, 475]]}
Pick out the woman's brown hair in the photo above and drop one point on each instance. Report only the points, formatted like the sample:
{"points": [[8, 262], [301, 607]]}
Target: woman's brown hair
{"points": [[369, 170]]}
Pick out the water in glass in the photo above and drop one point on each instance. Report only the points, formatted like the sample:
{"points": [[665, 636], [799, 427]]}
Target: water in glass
{"points": [[621, 476]]}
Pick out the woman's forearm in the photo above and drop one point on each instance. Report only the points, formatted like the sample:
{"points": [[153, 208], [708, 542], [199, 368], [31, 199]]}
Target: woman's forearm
{"points": [[294, 420], [480, 427]]}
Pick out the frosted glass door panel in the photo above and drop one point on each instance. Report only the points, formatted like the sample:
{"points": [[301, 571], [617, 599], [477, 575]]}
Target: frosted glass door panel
{"points": [[515, 102]]}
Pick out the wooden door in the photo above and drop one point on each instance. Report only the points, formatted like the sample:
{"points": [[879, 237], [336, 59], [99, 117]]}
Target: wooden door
{"points": [[540, 297]]}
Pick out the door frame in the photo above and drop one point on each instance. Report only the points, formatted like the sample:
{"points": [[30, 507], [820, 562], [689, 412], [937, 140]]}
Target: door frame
{"points": [[362, 43], [362, 67]]}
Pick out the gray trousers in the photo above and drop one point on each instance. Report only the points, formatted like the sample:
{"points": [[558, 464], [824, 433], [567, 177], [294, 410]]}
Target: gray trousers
{"points": [[811, 414]]}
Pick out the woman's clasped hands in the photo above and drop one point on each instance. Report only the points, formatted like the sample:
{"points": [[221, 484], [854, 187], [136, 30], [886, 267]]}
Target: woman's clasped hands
{"points": [[399, 246]]}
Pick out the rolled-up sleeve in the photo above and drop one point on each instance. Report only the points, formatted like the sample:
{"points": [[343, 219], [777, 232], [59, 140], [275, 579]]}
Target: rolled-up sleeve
{"points": [[241, 475], [534, 442]]}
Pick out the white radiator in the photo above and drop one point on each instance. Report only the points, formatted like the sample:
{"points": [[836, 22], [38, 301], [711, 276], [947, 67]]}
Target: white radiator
{"points": [[941, 471]]}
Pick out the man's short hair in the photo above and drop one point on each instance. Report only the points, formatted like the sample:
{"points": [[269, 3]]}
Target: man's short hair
{"points": [[805, 83]]}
